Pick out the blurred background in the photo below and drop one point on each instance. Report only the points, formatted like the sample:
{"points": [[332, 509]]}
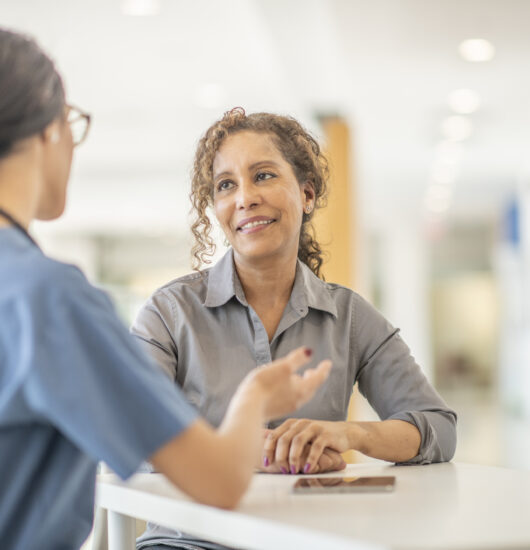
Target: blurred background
{"points": [[433, 101]]}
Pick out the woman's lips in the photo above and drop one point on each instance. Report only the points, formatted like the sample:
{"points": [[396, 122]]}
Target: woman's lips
{"points": [[255, 226], [255, 223]]}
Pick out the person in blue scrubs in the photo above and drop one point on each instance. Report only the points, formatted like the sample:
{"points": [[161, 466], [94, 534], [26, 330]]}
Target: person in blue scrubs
{"points": [[74, 387]]}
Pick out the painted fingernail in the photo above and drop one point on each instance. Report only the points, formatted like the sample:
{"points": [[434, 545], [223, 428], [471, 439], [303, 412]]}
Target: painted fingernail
{"points": [[284, 471], [265, 461], [307, 467], [308, 352], [293, 470]]}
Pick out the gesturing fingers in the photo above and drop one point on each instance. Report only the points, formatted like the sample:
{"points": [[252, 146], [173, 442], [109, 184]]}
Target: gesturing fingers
{"points": [[284, 388], [311, 380]]}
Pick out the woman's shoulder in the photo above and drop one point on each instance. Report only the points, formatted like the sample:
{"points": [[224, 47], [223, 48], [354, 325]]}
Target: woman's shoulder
{"points": [[46, 284], [337, 292], [368, 324], [348, 302], [342, 292], [190, 286], [337, 288], [45, 274], [341, 301], [355, 299]]}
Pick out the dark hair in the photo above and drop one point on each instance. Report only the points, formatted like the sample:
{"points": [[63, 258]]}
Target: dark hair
{"points": [[31, 90], [297, 147]]}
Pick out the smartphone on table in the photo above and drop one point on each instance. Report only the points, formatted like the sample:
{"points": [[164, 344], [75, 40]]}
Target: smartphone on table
{"points": [[361, 484]]}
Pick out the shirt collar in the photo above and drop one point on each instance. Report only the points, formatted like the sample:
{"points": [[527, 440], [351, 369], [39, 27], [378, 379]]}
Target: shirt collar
{"points": [[308, 290], [311, 292], [223, 283]]}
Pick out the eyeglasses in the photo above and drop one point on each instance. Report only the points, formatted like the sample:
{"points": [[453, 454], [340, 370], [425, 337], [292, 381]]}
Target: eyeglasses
{"points": [[79, 123]]}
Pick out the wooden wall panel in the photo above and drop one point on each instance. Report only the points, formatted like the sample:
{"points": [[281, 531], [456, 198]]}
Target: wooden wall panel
{"points": [[335, 225]]}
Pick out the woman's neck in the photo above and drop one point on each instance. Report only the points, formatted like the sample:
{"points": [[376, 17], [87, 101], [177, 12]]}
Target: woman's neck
{"points": [[267, 285], [16, 209], [19, 186], [268, 282]]}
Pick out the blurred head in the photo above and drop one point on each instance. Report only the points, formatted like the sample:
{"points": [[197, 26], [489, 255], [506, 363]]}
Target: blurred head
{"points": [[33, 114], [262, 165]]}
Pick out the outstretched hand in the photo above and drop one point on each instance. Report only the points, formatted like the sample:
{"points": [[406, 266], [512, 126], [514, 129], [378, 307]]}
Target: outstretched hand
{"points": [[284, 389]]}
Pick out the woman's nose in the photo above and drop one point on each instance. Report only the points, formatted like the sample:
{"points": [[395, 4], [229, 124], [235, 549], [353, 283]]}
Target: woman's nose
{"points": [[247, 195]]}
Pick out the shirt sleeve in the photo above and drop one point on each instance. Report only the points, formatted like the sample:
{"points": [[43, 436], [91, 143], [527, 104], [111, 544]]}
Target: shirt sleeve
{"points": [[155, 336], [87, 376], [396, 388]]}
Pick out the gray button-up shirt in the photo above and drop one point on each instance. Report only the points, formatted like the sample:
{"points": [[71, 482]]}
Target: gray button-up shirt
{"points": [[202, 332]]}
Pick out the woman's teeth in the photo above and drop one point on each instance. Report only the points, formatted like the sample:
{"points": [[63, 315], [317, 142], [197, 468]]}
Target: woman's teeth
{"points": [[254, 224]]}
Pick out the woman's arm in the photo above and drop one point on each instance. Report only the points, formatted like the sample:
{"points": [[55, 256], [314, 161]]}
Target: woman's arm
{"points": [[215, 466], [416, 427], [392, 440], [396, 387]]}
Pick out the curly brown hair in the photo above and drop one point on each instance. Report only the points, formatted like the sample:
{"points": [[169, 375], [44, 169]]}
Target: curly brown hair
{"points": [[297, 147]]}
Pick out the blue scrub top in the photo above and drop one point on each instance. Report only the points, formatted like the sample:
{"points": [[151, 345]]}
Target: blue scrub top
{"points": [[74, 389]]}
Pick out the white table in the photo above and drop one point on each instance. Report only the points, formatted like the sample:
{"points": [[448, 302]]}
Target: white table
{"points": [[441, 506]]}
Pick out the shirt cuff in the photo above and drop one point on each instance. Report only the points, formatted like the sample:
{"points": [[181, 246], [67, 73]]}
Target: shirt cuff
{"points": [[428, 446]]}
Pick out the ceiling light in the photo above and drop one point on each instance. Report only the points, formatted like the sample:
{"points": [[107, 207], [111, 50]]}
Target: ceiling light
{"points": [[140, 7], [476, 50], [448, 152], [457, 128], [464, 101]]}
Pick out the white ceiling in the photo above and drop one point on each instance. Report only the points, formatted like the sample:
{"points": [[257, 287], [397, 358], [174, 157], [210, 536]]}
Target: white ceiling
{"points": [[386, 65]]}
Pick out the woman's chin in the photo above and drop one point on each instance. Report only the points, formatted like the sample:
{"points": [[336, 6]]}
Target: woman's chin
{"points": [[50, 213]]}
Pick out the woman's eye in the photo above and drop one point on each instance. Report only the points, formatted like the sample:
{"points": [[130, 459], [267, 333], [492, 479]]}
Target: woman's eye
{"points": [[224, 185], [264, 176]]}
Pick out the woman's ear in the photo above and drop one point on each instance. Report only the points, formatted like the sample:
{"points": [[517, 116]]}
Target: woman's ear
{"points": [[52, 133], [309, 191]]}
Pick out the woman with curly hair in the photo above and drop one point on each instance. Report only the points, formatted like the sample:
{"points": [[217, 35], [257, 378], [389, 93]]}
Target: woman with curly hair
{"points": [[263, 176]]}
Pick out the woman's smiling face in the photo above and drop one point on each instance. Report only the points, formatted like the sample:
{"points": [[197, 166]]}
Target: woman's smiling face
{"points": [[257, 198]]}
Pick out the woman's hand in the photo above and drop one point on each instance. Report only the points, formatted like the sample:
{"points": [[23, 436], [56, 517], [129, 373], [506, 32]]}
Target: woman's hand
{"points": [[285, 447], [330, 461], [280, 387], [216, 466]]}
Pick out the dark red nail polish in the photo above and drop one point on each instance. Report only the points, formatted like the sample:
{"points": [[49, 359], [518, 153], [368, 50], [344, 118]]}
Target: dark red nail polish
{"points": [[308, 352]]}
